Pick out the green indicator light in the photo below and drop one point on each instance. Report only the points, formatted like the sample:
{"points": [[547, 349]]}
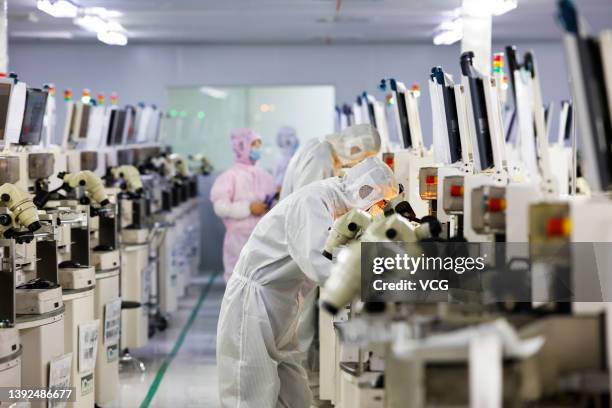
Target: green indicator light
{"points": [[201, 115], [173, 113]]}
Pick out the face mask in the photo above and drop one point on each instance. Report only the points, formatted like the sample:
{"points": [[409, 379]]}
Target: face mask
{"points": [[255, 154]]}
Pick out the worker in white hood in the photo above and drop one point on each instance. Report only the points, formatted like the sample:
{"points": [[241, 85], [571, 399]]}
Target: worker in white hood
{"points": [[320, 159], [258, 358]]}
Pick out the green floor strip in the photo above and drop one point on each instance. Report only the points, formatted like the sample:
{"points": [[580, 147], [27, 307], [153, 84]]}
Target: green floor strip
{"points": [[177, 346]]}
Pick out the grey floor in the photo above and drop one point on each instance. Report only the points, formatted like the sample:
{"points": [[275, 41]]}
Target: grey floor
{"points": [[191, 378]]}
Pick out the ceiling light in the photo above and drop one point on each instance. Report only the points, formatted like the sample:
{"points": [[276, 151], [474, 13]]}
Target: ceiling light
{"points": [[113, 38], [449, 32], [58, 8], [103, 12], [91, 23]]}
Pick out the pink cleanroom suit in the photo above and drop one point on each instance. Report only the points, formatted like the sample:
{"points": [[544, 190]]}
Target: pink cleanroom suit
{"points": [[233, 192]]}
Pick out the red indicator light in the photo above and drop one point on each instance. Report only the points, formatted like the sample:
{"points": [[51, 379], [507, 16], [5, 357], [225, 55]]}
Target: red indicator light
{"points": [[456, 191], [558, 227], [496, 204]]}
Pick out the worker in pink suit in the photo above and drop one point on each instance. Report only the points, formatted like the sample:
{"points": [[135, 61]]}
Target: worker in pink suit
{"points": [[239, 195]]}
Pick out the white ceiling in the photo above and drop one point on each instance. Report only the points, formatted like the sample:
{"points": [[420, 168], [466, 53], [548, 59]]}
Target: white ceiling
{"points": [[295, 21]]}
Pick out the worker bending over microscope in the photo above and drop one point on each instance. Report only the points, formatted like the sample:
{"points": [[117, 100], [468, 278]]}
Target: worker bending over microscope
{"points": [[258, 358]]}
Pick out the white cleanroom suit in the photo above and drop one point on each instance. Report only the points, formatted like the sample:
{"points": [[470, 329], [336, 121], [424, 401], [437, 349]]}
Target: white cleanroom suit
{"points": [[258, 357]]}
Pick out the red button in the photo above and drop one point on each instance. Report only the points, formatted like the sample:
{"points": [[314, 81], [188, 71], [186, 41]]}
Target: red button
{"points": [[431, 179]]}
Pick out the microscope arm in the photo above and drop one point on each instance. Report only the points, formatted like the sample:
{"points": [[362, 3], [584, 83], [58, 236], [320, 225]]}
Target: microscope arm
{"points": [[345, 229], [131, 175], [344, 282], [180, 165], [92, 182]]}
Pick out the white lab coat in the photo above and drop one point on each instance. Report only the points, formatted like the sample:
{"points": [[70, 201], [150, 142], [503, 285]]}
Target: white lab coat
{"points": [[258, 358]]}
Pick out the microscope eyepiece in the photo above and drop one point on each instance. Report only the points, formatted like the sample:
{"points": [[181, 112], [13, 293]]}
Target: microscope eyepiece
{"points": [[35, 226], [333, 310]]}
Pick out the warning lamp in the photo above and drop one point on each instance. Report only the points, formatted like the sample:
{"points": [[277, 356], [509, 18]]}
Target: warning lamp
{"points": [[558, 227], [2, 74], [431, 179], [498, 62], [496, 204], [389, 99], [68, 95], [456, 190], [114, 98], [101, 98], [86, 96], [416, 90], [51, 89]]}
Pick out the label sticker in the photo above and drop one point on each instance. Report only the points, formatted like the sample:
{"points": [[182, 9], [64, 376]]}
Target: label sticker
{"points": [[59, 376], [88, 345], [112, 322]]}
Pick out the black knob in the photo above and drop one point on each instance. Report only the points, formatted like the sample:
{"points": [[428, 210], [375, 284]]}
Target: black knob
{"points": [[82, 182], [352, 227], [5, 220], [5, 197], [391, 233]]}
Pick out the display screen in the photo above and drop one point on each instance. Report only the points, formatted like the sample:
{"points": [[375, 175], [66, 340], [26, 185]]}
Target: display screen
{"points": [[452, 123], [403, 116], [5, 95], [84, 125], [33, 116], [130, 122], [111, 124], [118, 127]]}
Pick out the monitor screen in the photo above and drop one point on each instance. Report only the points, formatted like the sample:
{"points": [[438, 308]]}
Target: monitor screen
{"points": [[111, 124], [118, 127], [403, 117], [32, 125], [130, 122], [479, 111], [84, 125], [452, 123], [5, 95]]}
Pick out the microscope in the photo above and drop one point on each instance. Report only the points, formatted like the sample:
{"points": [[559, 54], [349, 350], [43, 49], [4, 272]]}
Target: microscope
{"points": [[16, 213], [204, 167], [135, 232], [356, 365]]}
